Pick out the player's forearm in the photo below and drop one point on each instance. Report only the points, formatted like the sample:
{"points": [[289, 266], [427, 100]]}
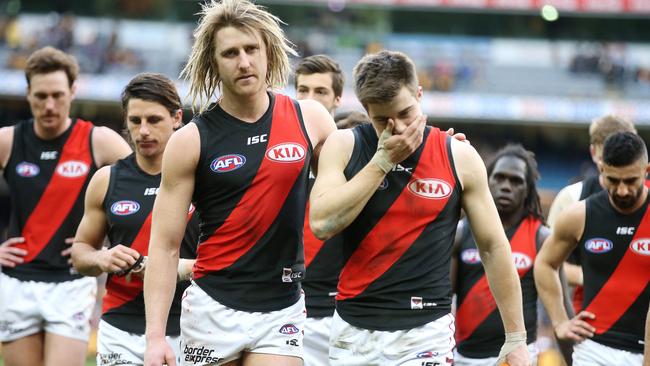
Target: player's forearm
{"points": [[505, 286], [159, 286], [333, 210], [549, 290], [646, 348], [85, 259]]}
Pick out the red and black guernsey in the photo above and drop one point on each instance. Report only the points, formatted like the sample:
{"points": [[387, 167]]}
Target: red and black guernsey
{"points": [[397, 251], [128, 204], [251, 194], [479, 329], [323, 260], [615, 253], [48, 180]]}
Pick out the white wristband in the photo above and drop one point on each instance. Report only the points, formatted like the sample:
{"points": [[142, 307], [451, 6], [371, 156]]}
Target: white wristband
{"points": [[513, 340]]}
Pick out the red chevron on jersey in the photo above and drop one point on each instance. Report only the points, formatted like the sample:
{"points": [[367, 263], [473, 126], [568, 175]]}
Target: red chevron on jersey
{"points": [[61, 193], [312, 244], [399, 226], [626, 283], [479, 302], [277, 174]]}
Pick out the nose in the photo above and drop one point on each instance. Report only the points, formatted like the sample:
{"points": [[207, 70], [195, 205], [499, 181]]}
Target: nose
{"points": [[244, 61], [144, 129], [49, 103], [622, 190]]}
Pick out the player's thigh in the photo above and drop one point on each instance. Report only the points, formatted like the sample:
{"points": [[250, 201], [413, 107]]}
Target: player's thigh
{"points": [[62, 350], [26, 351], [262, 359]]}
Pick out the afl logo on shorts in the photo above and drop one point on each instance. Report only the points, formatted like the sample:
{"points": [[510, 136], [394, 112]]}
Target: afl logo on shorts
{"points": [[72, 169], [228, 163], [286, 153], [27, 170], [430, 188], [289, 329], [124, 208], [641, 246], [522, 261], [598, 245], [470, 256]]}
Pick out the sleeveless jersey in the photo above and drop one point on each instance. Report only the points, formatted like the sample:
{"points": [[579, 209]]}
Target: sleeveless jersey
{"points": [[590, 186], [323, 260], [397, 251], [128, 204], [48, 180], [479, 329], [251, 194], [615, 252]]}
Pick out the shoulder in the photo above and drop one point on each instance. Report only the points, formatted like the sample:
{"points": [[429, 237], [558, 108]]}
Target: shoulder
{"points": [[468, 164], [318, 121], [570, 222], [339, 145], [183, 147], [98, 186], [102, 134], [108, 146]]}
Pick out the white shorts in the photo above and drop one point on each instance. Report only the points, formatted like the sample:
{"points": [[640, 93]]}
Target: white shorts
{"points": [[460, 360], [212, 333], [117, 347], [590, 353], [317, 341], [432, 343], [62, 308]]}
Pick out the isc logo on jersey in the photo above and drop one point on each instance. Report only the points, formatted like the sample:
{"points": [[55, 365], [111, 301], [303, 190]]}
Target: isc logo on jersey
{"points": [[641, 246], [124, 208], [470, 256], [286, 153], [72, 169], [227, 163], [522, 261], [598, 245], [430, 188], [27, 170]]}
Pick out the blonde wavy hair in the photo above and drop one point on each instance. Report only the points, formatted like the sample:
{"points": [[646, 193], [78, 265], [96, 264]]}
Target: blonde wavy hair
{"points": [[201, 69]]}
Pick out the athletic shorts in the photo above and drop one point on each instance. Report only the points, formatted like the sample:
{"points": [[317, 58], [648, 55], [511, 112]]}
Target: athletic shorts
{"points": [[460, 360], [117, 347], [590, 353], [429, 344], [62, 308], [317, 341], [212, 333]]}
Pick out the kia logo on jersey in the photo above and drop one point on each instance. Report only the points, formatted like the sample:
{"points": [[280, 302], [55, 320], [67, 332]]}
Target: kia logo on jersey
{"points": [[522, 261], [289, 329], [286, 153], [124, 208], [228, 163], [27, 170], [72, 169], [470, 256], [641, 246], [598, 245], [430, 188]]}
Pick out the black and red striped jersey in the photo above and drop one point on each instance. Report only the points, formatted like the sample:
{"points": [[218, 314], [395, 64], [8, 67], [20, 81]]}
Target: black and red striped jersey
{"points": [[48, 180], [251, 193], [397, 251], [479, 329], [323, 260], [615, 254], [128, 204]]}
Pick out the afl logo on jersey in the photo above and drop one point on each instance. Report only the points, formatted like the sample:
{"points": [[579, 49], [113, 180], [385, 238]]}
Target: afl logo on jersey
{"points": [[228, 163], [286, 153], [124, 208], [641, 246], [522, 261], [430, 188], [598, 245], [72, 169], [289, 329], [27, 170], [383, 185], [470, 256]]}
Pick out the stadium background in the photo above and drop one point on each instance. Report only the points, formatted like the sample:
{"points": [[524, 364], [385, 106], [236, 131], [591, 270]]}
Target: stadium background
{"points": [[528, 71]]}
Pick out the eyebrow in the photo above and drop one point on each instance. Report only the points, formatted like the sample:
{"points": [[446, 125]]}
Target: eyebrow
{"points": [[405, 110]]}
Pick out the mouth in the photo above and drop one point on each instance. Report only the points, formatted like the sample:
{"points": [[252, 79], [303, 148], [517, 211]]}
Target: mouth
{"points": [[503, 200], [245, 77], [146, 144]]}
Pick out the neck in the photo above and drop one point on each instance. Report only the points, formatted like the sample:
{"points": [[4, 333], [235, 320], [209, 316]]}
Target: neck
{"points": [[510, 220], [248, 108], [150, 165], [51, 133]]}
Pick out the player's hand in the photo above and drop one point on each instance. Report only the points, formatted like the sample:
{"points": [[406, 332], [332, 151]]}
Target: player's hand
{"points": [[458, 136], [118, 258], [576, 329], [400, 146], [68, 251], [159, 353], [10, 256], [518, 357]]}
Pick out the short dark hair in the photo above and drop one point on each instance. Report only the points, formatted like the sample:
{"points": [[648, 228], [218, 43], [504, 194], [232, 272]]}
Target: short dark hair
{"points": [[379, 77], [49, 59], [321, 64], [532, 203], [152, 87], [624, 148]]}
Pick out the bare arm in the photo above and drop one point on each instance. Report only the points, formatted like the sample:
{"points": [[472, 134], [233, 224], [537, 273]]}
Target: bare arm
{"points": [[454, 256], [168, 226], [6, 142], [108, 146], [646, 347], [319, 124]]}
